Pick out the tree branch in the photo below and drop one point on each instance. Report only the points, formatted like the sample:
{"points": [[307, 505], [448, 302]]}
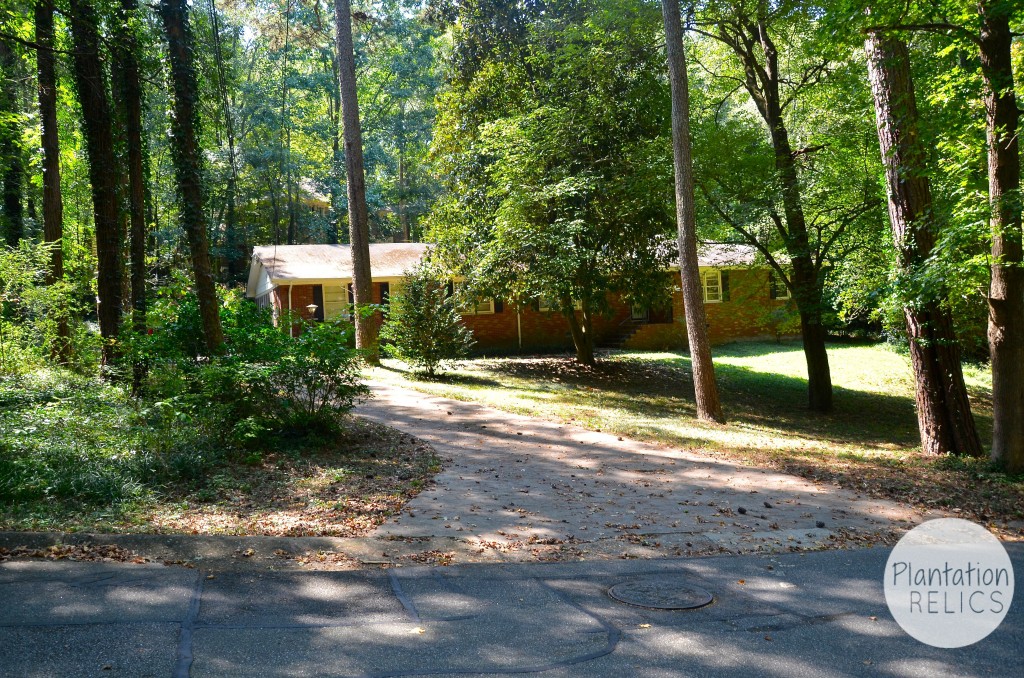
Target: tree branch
{"points": [[938, 27]]}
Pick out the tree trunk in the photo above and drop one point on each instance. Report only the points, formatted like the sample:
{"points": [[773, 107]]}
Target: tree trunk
{"points": [[1006, 292], [289, 186], [131, 103], [358, 218], [582, 334], [235, 250], [334, 230], [750, 41], [99, 141], [188, 164], [53, 204], [807, 293], [943, 409], [709, 407], [11, 151]]}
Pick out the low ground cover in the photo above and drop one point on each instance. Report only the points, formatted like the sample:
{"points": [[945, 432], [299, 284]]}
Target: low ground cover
{"points": [[868, 444], [77, 453]]}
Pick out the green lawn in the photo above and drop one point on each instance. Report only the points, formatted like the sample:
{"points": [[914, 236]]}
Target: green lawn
{"points": [[869, 442]]}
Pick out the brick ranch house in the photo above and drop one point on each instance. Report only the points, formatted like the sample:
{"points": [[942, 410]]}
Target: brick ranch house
{"points": [[742, 299]]}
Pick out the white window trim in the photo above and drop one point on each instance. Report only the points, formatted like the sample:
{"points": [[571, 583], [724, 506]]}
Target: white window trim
{"points": [[477, 310], [704, 276], [487, 304]]}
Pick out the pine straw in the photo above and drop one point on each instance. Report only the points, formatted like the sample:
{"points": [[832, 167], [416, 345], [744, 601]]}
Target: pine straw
{"points": [[344, 489]]}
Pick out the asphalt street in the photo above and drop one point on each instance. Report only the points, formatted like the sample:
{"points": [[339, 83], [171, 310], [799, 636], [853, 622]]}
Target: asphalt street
{"points": [[798, 614]]}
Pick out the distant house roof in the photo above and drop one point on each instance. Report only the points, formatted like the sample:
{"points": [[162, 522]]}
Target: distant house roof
{"points": [[274, 265], [725, 254], [323, 262], [291, 264]]}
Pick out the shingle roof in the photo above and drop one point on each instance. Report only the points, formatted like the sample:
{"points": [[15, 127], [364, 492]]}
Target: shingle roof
{"points": [[725, 254], [326, 262], [392, 260]]}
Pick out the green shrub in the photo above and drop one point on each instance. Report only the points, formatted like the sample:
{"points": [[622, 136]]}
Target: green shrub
{"points": [[423, 326], [77, 441], [317, 377], [265, 382]]}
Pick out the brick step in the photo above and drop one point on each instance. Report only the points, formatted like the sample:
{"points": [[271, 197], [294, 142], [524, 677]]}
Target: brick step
{"points": [[624, 334]]}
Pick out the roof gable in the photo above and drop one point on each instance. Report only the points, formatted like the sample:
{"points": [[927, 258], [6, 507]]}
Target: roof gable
{"points": [[327, 262]]}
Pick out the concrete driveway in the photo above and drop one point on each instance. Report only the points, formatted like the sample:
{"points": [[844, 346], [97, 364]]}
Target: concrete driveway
{"points": [[523, 488]]}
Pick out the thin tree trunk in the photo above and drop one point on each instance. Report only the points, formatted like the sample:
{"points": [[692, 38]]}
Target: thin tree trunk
{"points": [[1006, 292], [235, 251], [709, 407], [99, 140], [943, 409], [334, 230], [403, 208], [53, 204], [358, 219], [289, 186], [11, 151], [131, 103], [188, 164], [750, 41]]}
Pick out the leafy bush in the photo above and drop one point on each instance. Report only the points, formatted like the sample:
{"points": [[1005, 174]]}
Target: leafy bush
{"points": [[31, 311], [264, 383], [72, 441], [423, 324], [317, 377]]}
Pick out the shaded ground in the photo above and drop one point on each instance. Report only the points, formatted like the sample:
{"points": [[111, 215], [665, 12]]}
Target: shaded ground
{"points": [[342, 488], [868, 445]]}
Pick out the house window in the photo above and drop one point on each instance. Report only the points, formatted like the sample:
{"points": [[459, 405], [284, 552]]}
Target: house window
{"points": [[475, 306], [545, 305], [712, 283], [777, 286], [482, 307]]}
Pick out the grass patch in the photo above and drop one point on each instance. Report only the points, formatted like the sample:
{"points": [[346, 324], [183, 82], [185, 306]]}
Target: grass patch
{"points": [[869, 443], [78, 454]]}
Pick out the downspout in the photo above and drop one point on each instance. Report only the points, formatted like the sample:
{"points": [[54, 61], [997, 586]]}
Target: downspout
{"points": [[291, 321], [519, 328]]}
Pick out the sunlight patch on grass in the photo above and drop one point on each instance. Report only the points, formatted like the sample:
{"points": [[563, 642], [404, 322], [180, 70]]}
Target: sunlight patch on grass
{"points": [[868, 444], [648, 395]]}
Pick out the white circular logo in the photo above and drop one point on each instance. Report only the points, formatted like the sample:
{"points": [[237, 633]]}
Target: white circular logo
{"points": [[949, 582]]}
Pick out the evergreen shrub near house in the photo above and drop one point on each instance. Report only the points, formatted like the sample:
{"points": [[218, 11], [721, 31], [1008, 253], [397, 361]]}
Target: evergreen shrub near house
{"points": [[423, 327]]}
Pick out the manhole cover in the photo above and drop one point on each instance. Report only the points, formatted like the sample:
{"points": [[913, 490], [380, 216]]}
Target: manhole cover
{"points": [[660, 594]]}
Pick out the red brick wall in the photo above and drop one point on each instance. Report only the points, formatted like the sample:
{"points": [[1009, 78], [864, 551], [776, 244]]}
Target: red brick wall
{"points": [[540, 330], [747, 314], [302, 296]]}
